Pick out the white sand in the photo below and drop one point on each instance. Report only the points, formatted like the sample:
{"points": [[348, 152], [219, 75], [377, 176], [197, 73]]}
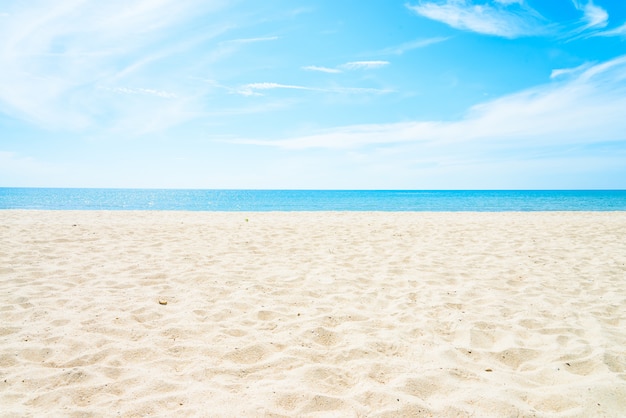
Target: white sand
{"points": [[312, 314]]}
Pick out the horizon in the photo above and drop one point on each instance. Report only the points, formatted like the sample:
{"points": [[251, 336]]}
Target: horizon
{"points": [[312, 200], [424, 95], [313, 190]]}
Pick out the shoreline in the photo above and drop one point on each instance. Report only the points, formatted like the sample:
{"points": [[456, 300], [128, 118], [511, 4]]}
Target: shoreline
{"points": [[312, 313]]}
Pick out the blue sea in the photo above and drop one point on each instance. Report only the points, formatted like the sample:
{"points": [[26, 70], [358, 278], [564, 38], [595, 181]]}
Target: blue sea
{"points": [[313, 200]]}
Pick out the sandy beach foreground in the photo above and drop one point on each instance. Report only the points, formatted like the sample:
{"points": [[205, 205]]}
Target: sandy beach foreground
{"points": [[312, 314]]}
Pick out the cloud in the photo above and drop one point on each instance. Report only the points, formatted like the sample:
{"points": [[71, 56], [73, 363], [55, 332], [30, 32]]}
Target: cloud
{"points": [[251, 40], [408, 46], [496, 20], [514, 18], [594, 16], [561, 72], [57, 57], [150, 92], [581, 111], [253, 89], [349, 66], [364, 65], [321, 69], [619, 31]]}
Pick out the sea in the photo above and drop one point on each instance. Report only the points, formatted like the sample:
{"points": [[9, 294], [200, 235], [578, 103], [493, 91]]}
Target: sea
{"points": [[313, 200]]}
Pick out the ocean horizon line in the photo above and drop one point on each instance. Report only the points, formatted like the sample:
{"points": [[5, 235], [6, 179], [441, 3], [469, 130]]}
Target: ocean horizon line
{"points": [[312, 200], [321, 189]]}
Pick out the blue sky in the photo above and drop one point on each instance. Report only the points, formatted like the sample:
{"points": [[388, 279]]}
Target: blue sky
{"points": [[381, 94]]}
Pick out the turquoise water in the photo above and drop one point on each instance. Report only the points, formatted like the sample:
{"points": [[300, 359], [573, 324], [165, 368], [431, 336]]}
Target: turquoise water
{"points": [[313, 200]]}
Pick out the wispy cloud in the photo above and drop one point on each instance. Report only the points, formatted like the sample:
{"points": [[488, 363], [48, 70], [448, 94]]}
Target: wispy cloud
{"points": [[251, 40], [584, 109], [515, 18], [497, 20], [593, 16], [364, 65], [56, 58], [618, 31], [321, 69], [348, 66], [253, 89], [408, 46], [257, 89], [150, 92], [562, 72]]}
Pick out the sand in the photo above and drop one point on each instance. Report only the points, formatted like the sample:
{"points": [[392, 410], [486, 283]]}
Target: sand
{"points": [[312, 314]]}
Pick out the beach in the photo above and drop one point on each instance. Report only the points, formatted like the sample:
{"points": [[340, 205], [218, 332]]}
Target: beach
{"points": [[337, 314]]}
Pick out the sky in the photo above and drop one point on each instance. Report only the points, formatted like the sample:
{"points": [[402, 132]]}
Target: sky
{"points": [[313, 94]]}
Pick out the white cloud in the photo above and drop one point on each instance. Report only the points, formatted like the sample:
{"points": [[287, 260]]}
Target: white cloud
{"points": [[513, 18], [561, 72], [408, 46], [150, 92], [619, 31], [251, 40], [349, 66], [56, 55], [365, 65], [321, 69], [497, 20], [583, 110], [252, 89], [594, 16]]}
